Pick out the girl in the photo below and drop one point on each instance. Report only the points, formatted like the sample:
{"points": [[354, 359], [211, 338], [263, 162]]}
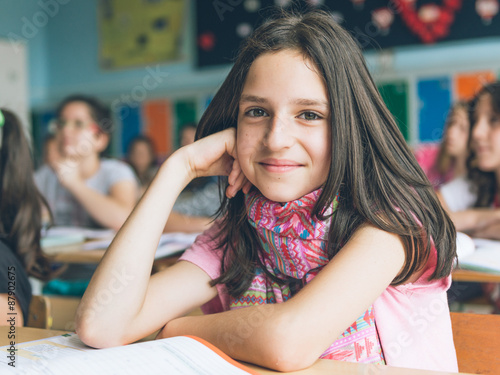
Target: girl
{"points": [[445, 162], [83, 189], [466, 198], [20, 222], [473, 200], [142, 158], [330, 236]]}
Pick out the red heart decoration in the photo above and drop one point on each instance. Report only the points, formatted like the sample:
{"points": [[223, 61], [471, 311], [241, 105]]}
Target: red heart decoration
{"points": [[429, 32]]}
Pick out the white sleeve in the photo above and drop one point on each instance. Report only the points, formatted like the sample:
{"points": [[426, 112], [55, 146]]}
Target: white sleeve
{"points": [[458, 194]]}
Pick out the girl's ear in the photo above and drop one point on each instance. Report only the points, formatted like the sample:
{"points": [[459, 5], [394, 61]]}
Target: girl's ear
{"points": [[102, 140]]}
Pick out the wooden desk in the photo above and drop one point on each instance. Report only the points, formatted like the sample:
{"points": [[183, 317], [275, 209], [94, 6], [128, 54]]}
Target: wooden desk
{"points": [[321, 367], [95, 256], [475, 276]]}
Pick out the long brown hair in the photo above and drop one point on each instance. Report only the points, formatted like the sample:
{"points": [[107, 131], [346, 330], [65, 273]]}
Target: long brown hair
{"points": [[20, 201], [373, 170], [484, 183]]}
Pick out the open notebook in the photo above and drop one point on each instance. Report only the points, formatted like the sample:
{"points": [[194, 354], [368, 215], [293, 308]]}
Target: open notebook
{"points": [[67, 355], [478, 254]]}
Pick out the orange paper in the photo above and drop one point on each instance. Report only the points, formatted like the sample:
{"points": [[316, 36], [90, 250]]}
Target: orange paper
{"points": [[468, 84]]}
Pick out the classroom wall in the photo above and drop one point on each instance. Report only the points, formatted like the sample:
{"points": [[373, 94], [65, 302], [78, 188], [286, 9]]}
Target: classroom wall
{"points": [[75, 65], [63, 58], [16, 25]]}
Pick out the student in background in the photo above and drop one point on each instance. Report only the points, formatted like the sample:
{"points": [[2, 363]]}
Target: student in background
{"points": [[84, 189], [201, 197], [20, 222], [51, 154], [446, 161], [329, 238], [473, 200], [141, 156]]}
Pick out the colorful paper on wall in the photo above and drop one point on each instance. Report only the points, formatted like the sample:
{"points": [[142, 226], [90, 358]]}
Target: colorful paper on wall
{"points": [[130, 118], [468, 84], [138, 32], [395, 95], [434, 103], [158, 125], [185, 113]]}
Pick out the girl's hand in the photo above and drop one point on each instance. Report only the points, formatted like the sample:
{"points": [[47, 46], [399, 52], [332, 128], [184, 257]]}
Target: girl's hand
{"points": [[215, 155], [68, 173]]}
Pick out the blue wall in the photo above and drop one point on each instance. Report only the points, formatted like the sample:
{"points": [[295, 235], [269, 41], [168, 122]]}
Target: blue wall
{"points": [[63, 56]]}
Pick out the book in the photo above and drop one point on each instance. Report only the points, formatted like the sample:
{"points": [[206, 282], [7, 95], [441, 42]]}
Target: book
{"points": [[170, 244], [478, 254], [67, 354]]}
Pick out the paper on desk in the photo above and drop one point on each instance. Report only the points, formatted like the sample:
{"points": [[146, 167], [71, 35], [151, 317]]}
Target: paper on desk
{"points": [[67, 354], [170, 243], [87, 233], [485, 257]]}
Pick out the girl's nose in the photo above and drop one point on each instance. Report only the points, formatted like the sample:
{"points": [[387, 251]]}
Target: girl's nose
{"points": [[278, 134], [480, 129]]}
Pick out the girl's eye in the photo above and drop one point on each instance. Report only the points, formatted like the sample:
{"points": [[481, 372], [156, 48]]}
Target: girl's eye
{"points": [[79, 124], [310, 116], [495, 120], [256, 112]]}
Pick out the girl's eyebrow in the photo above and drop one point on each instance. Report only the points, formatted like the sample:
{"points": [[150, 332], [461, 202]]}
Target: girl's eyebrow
{"points": [[305, 102]]}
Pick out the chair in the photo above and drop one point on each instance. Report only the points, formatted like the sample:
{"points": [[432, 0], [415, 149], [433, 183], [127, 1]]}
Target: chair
{"points": [[477, 342], [39, 315]]}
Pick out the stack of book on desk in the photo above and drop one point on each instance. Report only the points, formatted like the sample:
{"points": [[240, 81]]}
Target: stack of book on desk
{"points": [[478, 254], [66, 354]]}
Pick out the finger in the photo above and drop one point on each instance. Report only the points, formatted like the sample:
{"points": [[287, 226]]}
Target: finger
{"points": [[247, 186], [235, 172]]}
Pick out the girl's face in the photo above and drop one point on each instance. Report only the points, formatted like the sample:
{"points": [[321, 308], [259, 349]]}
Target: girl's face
{"points": [[457, 133], [486, 135], [283, 134], [78, 134], [140, 156]]}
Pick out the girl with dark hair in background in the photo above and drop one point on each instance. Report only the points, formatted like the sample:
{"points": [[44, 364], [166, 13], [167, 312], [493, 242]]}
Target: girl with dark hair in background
{"points": [[20, 222], [446, 161], [142, 158], [83, 189], [473, 201], [329, 239]]}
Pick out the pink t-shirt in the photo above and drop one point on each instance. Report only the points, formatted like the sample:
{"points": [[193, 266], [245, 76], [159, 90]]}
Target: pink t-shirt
{"points": [[426, 155], [413, 320]]}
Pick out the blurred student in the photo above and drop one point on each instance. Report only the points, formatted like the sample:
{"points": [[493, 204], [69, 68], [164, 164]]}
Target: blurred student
{"points": [[83, 189], [51, 154], [473, 199], [201, 196], [445, 161], [141, 156], [20, 223]]}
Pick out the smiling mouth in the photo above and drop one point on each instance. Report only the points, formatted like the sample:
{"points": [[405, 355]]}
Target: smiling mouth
{"points": [[279, 166]]}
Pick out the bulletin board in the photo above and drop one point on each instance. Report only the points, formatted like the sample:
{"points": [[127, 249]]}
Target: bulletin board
{"points": [[139, 32], [223, 24]]}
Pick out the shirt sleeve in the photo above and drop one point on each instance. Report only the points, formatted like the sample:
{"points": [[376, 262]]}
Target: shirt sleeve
{"points": [[205, 255], [458, 194], [119, 171], [13, 278]]}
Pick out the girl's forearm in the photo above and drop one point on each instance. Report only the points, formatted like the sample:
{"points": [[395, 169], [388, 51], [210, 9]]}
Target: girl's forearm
{"points": [[254, 334], [118, 288], [474, 219], [104, 209]]}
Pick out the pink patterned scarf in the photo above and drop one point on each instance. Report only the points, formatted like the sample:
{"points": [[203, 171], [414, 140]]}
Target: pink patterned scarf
{"points": [[294, 249]]}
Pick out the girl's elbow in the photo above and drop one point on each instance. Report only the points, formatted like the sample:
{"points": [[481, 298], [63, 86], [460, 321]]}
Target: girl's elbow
{"points": [[94, 335], [287, 351], [286, 357]]}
